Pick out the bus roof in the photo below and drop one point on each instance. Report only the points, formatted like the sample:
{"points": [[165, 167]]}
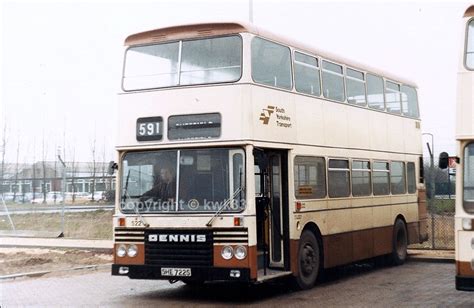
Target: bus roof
{"points": [[223, 28], [469, 12]]}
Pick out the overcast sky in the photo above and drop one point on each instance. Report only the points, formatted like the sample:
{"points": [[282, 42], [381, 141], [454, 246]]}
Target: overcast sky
{"points": [[62, 60]]}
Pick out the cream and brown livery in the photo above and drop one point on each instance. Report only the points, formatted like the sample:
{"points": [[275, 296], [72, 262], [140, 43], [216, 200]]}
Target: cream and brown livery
{"points": [[464, 218], [245, 157]]}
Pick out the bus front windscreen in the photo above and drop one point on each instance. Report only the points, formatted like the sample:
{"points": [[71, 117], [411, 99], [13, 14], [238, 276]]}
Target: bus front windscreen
{"points": [[191, 62], [173, 181]]}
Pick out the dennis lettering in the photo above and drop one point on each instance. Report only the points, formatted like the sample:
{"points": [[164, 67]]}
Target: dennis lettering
{"points": [[177, 238]]}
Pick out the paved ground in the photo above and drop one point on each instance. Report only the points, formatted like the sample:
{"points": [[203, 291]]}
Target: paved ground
{"points": [[366, 285], [55, 243]]}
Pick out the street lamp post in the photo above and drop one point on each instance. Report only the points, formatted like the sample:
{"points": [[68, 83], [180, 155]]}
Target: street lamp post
{"points": [[432, 151], [432, 181]]}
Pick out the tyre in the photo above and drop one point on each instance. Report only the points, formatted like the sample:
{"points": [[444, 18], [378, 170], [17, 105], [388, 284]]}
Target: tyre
{"points": [[399, 243], [309, 260]]}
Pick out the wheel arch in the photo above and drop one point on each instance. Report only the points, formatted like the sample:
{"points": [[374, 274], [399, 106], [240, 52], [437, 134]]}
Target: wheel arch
{"points": [[399, 249], [313, 227], [402, 218]]}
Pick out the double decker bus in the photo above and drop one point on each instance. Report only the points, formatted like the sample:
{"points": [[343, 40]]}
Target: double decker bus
{"points": [[464, 217], [244, 156]]}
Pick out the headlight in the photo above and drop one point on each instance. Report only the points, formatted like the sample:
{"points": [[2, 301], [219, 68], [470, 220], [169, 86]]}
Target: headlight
{"points": [[132, 251], [227, 252], [240, 252], [121, 251], [467, 223]]}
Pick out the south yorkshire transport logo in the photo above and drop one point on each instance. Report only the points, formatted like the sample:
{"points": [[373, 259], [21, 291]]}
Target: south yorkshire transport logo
{"points": [[266, 114], [282, 119]]}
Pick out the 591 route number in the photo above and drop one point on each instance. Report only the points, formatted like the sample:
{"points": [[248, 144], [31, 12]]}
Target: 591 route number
{"points": [[149, 129]]}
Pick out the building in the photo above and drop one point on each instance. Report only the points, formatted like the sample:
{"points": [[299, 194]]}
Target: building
{"points": [[32, 180]]}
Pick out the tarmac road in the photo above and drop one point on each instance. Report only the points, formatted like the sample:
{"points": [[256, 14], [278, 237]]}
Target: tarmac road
{"points": [[364, 285]]}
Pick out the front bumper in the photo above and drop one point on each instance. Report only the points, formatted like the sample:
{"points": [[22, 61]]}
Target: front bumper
{"points": [[197, 273], [464, 283]]}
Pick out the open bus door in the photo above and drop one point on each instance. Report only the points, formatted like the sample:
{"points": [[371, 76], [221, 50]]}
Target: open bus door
{"points": [[271, 176]]}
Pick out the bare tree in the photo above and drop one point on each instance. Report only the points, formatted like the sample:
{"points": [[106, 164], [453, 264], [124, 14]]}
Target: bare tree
{"points": [[64, 170], [33, 181], [103, 168], [25, 174], [44, 150], [93, 168], [4, 150], [72, 169], [17, 169], [55, 181]]}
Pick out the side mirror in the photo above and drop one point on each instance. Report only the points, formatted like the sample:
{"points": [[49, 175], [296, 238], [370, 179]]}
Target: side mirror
{"points": [[443, 160], [112, 167]]}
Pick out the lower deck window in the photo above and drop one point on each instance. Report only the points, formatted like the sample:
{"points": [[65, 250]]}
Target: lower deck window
{"points": [[310, 177], [361, 183], [338, 178], [381, 178], [397, 178], [411, 178]]}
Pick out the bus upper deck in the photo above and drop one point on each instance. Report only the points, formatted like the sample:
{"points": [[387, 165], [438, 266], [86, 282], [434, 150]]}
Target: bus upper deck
{"points": [[217, 82]]}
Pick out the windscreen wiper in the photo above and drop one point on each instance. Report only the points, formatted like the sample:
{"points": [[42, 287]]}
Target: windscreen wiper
{"points": [[223, 206], [124, 196], [142, 220], [135, 205]]}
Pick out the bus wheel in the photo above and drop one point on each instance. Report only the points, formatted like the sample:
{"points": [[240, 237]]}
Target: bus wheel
{"points": [[309, 260], [400, 242]]}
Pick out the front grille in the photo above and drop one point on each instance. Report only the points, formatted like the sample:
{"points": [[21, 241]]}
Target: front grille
{"points": [[133, 235], [167, 248], [233, 236]]}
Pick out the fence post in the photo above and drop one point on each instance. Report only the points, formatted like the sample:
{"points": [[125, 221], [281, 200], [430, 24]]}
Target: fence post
{"points": [[432, 231]]}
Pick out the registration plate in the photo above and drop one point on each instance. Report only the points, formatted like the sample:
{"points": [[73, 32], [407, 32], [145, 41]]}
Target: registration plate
{"points": [[175, 272]]}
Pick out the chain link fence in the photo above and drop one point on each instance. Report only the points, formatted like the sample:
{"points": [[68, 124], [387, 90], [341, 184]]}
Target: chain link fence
{"points": [[440, 194], [94, 221], [440, 232]]}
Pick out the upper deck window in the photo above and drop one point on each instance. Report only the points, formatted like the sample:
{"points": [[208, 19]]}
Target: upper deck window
{"points": [[392, 97], [409, 102], [202, 61], [470, 46], [333, 81], [307, 74], [355, 87], [375, 92], [271, 64]]}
